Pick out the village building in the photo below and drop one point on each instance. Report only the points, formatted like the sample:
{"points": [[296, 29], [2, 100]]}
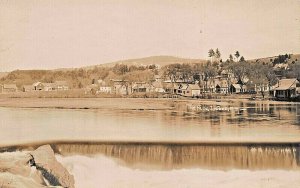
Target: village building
{"points": [[181, 89], [8, 88], [235, 88], [157, 78], [61, 85], [142, 87], [91, 89], [194, 90], [222, 86], [209, 86], [27, 88], [105, 89], [121, 87], [169, 87], [38, 86], [49, 86], [286, 89], [158, 87], [226, 74], [189, 90]]}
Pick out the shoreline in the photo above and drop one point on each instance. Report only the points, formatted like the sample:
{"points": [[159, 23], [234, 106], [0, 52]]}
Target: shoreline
{"points": [[117, 103]]}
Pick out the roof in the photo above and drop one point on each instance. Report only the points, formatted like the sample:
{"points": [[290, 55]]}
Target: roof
{"points": [[105, 86], [185, 86], [28, 86], [226, 72], [140, 85], [157, 84], [281, 66], [285, 84], [236, 86], [36, 84], [169, 85], [49, 84], [9, 86], [194, 86]]}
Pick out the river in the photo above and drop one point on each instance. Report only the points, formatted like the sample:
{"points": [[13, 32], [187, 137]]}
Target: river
{"points": [[203, 143]]}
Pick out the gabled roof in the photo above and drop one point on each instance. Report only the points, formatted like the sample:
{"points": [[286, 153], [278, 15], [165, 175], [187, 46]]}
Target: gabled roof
{"points": [[36, 84], [223, 84], [285, 84], [184, 86], [236, 86]]}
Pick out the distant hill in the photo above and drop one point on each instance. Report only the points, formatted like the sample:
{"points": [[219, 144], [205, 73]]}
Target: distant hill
{"points": [[294, 57], [3, 74], [157, 60], [81, 77]]}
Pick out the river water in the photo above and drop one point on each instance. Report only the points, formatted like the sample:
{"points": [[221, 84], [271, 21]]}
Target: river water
{"points": [[199, 144]]}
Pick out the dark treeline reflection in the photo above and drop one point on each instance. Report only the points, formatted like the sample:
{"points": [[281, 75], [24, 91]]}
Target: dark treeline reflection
{"points": [[172, 156]]}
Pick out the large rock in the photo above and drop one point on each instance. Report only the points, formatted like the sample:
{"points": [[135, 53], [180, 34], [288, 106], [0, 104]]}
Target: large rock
{"points": [[35, 169], [52, 170], [15, 171]]}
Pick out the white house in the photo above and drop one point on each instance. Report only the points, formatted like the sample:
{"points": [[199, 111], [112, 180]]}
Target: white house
{"points": [[286, 89], [235, 88], [105, 89]]}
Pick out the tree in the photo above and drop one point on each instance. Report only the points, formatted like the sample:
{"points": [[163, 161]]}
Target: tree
{"points": [[230, 57], [120, 69], [218, 54], [237, 55], [211, 54], [240, 70], [242, 59]]}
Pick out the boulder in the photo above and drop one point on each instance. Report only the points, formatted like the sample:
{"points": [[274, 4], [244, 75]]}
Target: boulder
{"points": [[45, 161], [34, 169]]}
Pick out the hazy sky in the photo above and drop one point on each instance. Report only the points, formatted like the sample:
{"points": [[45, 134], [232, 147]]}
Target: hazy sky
{"points": [[73, 33]]}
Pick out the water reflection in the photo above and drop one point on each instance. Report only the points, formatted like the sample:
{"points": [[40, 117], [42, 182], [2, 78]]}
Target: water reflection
{"points": [[246, 121]]}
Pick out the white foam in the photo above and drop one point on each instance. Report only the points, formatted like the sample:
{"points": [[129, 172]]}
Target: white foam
{"points": [[100, 171]]}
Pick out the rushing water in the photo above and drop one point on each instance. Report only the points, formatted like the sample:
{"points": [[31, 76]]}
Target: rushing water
{"points": [[206, 135], [170, 156]]}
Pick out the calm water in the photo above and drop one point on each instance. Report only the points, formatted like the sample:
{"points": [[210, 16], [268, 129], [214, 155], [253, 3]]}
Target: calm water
{"points": [[244, 121]]}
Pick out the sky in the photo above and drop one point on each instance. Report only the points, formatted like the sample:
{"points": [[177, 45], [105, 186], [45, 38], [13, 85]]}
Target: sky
{"points": [[48, 34]]}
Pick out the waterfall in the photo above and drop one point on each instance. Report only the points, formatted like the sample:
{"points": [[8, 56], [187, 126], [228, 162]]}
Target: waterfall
{"points": [[174, 156]]}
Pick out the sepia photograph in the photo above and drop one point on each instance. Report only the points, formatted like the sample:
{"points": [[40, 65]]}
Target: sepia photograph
{"points": [[149, 93]]}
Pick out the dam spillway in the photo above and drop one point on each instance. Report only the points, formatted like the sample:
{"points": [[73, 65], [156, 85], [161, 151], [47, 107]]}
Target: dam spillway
{"points": [[178, 156]]}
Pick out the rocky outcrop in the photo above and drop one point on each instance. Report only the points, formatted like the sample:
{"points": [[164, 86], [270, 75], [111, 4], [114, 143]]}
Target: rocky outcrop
{"points": [[38, 168]]}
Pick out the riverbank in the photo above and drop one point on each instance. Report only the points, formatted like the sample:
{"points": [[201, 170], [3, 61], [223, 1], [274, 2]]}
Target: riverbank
{"points": [[88, 103], [119, 103]]}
